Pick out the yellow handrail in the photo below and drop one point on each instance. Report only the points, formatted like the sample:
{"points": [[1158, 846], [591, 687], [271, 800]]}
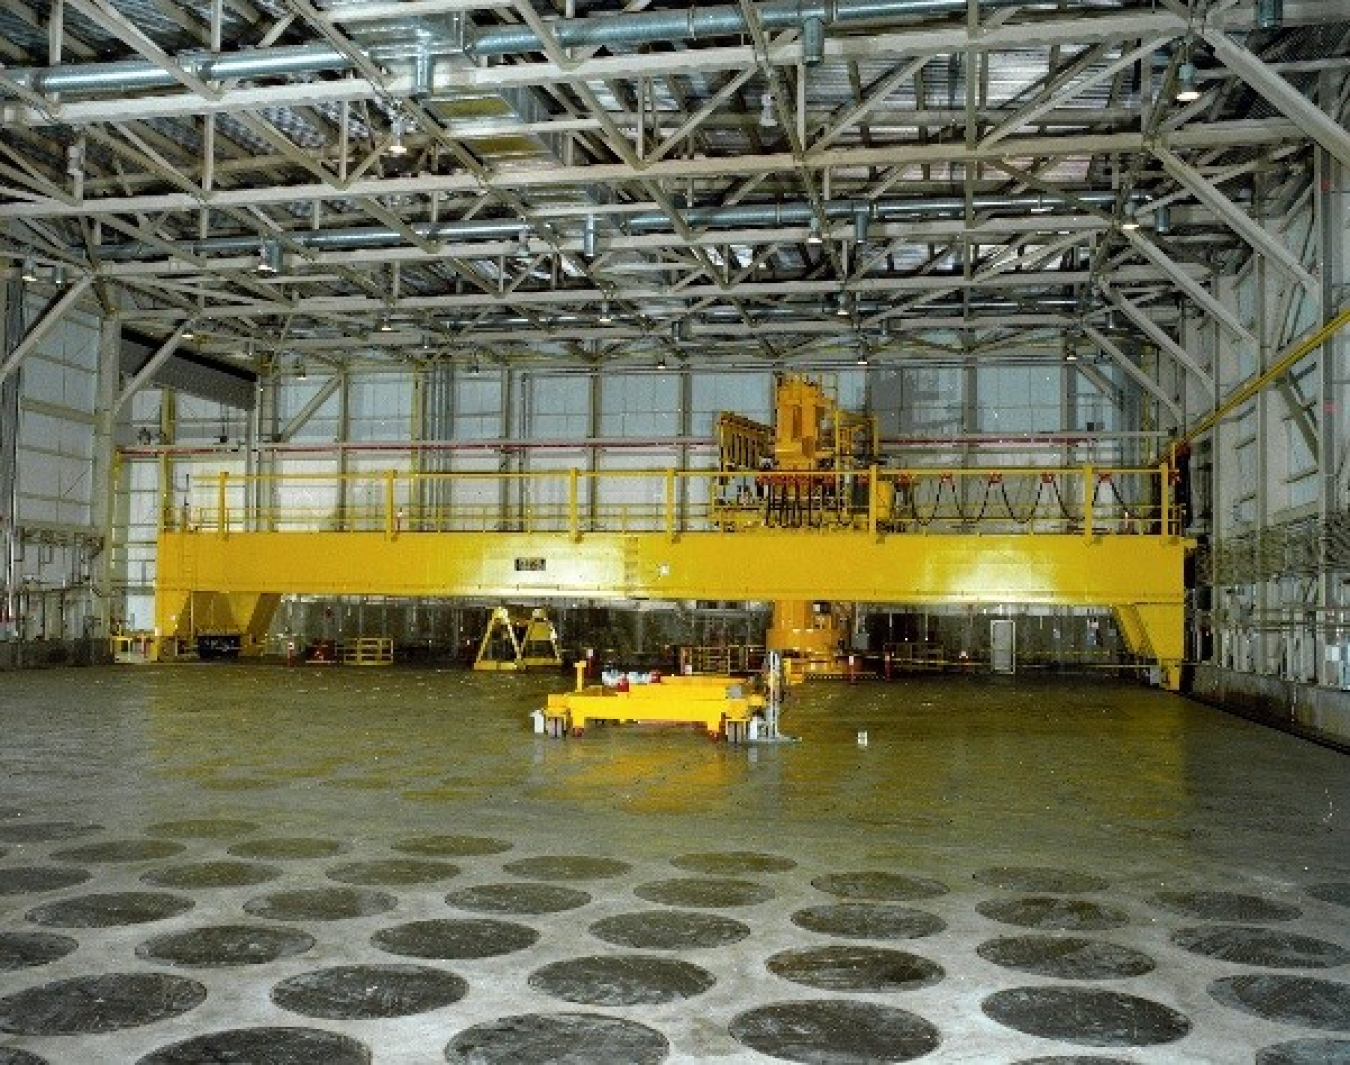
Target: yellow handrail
{"points": [[1089, 500]]}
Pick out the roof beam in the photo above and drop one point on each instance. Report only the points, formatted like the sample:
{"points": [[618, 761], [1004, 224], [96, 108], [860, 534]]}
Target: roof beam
{"points": [[39, 330], [146, 372], [107, 16], [824, 287], [1196, 291], [1158, 335], [1214, 135], [1077, 78], [1144, 380], [1315, 122], [1235, 217], [311, 408]]}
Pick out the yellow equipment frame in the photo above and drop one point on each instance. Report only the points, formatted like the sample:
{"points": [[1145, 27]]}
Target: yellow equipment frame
{"points": [[502, 631], [228, 564], [723, 706]]}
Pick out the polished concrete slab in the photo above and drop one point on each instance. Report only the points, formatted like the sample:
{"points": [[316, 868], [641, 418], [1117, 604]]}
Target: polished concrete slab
{"points": [[261, 864]]}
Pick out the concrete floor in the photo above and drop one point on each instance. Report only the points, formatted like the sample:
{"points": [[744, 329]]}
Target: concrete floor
{"points": [[386, 865]]}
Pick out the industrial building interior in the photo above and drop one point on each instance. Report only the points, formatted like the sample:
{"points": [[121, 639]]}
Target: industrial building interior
{"points": [[405, 405]]}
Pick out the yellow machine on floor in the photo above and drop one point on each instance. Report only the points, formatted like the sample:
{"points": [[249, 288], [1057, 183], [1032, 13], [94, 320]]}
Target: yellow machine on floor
{"points": [[724, 706], [518, 643], [810, 469]]}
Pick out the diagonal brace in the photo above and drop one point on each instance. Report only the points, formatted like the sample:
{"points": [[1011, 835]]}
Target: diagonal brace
{"points": [[1236, 218], [40, 329]]}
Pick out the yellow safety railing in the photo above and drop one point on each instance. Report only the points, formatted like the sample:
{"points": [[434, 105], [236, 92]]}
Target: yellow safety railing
{"points": [[1081, 500], [368, 651]]}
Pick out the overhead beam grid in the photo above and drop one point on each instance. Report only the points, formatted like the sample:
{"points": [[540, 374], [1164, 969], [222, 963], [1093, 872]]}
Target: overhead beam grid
{"points": [[481, 169]]}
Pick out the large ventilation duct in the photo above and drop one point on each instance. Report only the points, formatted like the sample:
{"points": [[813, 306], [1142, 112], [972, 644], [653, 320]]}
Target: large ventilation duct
{"points": [[741, 215], [612, 31]]}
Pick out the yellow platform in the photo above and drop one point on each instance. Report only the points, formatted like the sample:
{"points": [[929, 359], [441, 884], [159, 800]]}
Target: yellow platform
{"points": [[721, 705], [230, 566]]}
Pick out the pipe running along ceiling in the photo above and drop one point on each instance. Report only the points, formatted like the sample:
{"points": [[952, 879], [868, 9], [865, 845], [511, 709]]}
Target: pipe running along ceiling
{"points": [[585, 183]]}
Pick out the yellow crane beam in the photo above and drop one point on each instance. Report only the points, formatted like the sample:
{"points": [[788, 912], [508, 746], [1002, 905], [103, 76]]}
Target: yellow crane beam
{"points": [[241, 573]]}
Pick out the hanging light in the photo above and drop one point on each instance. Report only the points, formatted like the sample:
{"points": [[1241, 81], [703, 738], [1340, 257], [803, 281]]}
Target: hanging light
{"points": [[813, 41], [1130, 221], [814, 235], [386, 324], [1162, 220], [588, 237], [767, 118], [300, 372], [396, 147], [1187, 92], [523, 245], [1269, 14], [188, 332], [862, 218], [862, 357], [661, 363], [28, 271], [605, 317], [269, 257], [841, 306]]}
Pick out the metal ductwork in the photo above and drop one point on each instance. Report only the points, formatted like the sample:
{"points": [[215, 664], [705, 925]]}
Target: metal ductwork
{"points": [[612, 31], [650, 27], [741, 215]]}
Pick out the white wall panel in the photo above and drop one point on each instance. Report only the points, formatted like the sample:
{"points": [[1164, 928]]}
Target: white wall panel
{"points": [[559, 407], [1019, 399], [643, 406], [478, 407], [379, 407], [749, 394]]}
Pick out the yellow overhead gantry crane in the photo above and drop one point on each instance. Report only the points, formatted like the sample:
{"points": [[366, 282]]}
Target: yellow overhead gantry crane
{"points": [[806, 469], [848, 533]]}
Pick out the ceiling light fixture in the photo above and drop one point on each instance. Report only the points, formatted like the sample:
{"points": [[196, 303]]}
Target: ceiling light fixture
{"points": [[862, 358], [1269, 14], [522, 252], [815, 236], [767, 118], [188, 332], [661, 363], [28, 271], [386, 324], [269, 257], [841, 307], [604, 318], [813, 41], [588, 237], [1131, 219], [1187, 92], [396, 147], [862, 220]]}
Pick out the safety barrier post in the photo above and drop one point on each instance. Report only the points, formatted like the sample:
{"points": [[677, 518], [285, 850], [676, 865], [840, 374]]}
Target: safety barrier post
{"points": [[390, 518], [222, 518], [1165, 498], [1089, 492], [573, 516], [872, 491], [670, 504]]}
